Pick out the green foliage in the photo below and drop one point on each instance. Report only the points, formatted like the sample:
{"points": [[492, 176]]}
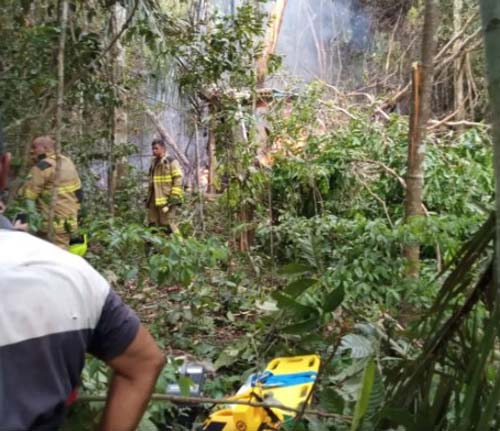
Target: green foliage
{"points": [[181, 260], [220, 56], [127, 251], [337, 204], [328, 213], [365, 393]]}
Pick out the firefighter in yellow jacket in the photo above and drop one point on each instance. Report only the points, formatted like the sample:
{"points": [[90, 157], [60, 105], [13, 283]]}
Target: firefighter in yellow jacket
{"points": [[68, 190], [165, 193]]}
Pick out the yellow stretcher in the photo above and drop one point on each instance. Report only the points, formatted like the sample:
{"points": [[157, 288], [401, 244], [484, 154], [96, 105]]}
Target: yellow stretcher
{"points": [[285, 381]]}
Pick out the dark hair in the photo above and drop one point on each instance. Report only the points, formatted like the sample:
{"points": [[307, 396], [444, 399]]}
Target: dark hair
{"points": [[159, 142]]}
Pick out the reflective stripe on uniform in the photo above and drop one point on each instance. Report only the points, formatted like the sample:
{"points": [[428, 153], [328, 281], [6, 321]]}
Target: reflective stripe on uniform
{"points": [[30, 194], [176, 173], [176, 191], [62, 225], [71, 222], [160, 201], [162, 179], [69, 188]]}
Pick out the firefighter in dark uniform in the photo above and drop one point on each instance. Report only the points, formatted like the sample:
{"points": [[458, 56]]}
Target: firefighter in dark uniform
{"points": [[69, 194], [165, 193]]}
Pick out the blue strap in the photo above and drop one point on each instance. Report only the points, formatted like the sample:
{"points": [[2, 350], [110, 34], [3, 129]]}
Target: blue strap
{"points": [[268, 379]]}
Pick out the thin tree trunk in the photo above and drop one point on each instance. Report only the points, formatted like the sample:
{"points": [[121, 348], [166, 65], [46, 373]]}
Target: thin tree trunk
{"points": [[416, 148], [415, 175], [490, 12], [199, 190], [459, 63], [59, 115], [120, 117], [212, 160]]}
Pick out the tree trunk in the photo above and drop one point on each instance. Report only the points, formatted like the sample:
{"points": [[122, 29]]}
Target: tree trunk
{"points": [[212, 160], [459, 63], [420, 116], [199, 189], [59, 115], [270, 39], [120, 117], [490, 12]]}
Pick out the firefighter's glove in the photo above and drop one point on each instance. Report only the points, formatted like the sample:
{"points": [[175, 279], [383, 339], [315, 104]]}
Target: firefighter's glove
{"points": [[165, 209]]}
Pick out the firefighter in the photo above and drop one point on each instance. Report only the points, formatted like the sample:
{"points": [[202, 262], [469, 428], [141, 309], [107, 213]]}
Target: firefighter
{"points": [[68, 191], [165, 193]]}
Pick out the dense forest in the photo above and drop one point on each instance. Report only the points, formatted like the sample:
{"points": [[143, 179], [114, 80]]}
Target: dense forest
{"points": [[339, 174]]}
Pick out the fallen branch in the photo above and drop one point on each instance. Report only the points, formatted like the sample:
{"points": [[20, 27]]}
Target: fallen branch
{"points": [[344, 111], [205, 400], [439, 65], [438, 123], [385, 168], [452, 41], [377, 198], [382, 113], [338, 108], [396, 98], [460, 50], [461, 123]]}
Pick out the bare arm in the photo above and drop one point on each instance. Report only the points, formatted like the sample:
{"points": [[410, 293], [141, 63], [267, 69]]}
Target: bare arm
{"points": [[135, 374]]}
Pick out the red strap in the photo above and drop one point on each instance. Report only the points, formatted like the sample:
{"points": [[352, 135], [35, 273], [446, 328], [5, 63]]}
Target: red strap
{"points": [[72, 397]]}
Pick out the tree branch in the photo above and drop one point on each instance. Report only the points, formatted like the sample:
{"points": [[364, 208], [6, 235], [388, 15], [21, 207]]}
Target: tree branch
{"points": [[229, 400]]}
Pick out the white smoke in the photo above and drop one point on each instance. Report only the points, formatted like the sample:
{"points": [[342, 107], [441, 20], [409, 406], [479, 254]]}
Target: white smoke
{"points": [[313, 32]]}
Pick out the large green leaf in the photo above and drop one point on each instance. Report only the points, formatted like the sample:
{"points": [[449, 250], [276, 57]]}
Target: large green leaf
{"points": [[375, 404], [330, 400], [294, 269], [146, 424], [364, 395], [292, 306], [360, 347], [399, 417], [333, 299], [302, 327], [227, 357], [295, 288]]}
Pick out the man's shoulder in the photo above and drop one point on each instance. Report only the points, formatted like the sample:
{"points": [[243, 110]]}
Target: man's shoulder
{"points": [[26, 250], [60, 291], [169, 159]]}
